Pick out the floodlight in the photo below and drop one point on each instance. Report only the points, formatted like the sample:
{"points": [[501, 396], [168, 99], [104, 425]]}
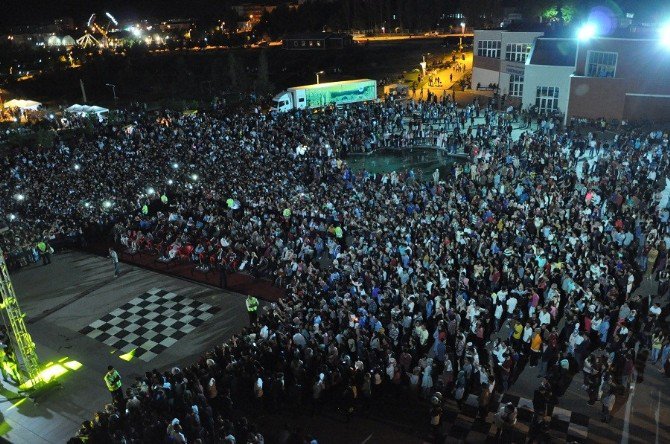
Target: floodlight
{"points": [[150, 190], [20, 197], [12, 217], [665, 34], [194, 176], [587, 31], [106, 204], [77, 167], [175, 165], [170, 181]]}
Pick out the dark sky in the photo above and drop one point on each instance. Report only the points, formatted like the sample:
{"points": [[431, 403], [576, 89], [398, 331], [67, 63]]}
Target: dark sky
{"points": [[14, 12], [37, 11]]}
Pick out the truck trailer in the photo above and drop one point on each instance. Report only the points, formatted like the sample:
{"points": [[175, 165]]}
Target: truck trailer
{"points": [[325, 94]]}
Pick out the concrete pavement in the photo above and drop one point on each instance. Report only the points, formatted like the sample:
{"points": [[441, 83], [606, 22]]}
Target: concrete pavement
{"points": [[62, 298]]}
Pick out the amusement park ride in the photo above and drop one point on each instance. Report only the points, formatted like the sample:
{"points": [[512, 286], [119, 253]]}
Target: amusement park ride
{"points": [[89, 40]]}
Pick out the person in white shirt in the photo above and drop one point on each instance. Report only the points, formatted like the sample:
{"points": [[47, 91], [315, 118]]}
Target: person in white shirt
{"points": [[527, 333], [545, 317], [498, 316], [655, 309], [511, 305]]}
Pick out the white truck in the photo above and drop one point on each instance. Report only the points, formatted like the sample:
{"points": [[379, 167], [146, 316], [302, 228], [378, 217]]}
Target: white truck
{"points": [[325, 94]]}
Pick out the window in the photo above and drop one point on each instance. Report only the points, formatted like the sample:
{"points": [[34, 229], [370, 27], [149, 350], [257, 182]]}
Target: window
{"points": [[515, 85], [517, 52], [546, 99], [488, 48], [601, 64]]}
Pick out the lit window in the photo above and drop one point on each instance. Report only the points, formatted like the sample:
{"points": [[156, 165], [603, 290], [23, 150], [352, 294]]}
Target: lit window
{"points": [[546, 99], [515, 85], [517, 52], [601, 64], [488, 48]]}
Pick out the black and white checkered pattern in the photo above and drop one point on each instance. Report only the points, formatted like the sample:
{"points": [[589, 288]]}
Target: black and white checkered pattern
{"points": [[463, 426], [150, 323]]}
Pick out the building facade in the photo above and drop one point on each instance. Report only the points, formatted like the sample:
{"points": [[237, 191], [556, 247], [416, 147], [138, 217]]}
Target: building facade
{"points": [[500, 59], [616, 78], [621, 79], [548, 70], [317, 41]]}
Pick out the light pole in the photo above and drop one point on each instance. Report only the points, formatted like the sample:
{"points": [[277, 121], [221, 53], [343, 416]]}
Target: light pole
{"points": [[460, 39], [317, 76], [113, 90]]}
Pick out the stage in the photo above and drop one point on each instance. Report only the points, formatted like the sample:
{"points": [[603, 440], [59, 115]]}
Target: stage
{"points": [[82, 319]]}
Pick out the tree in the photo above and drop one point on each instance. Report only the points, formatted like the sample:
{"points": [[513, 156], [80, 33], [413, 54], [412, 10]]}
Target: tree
{"points": [[233, 71], [263, 85]]}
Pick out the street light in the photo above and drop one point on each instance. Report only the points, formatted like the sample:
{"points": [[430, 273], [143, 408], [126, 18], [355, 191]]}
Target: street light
{"points": [[460, 39], [113, 90], [317, 76], [463, 28]]}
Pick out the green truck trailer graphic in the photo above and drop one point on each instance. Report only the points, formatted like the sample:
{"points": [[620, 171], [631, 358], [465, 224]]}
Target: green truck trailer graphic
{"points": [[340, 93]]}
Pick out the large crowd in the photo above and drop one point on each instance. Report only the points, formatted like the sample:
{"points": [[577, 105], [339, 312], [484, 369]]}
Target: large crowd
{"points": [[395, 283]]}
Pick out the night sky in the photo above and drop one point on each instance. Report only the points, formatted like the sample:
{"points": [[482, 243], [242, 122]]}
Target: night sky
{"points": [[13, 12]]}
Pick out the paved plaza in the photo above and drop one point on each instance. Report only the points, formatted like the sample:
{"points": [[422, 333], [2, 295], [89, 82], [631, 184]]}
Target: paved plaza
{"points": [[78, 312], [74, 301]]}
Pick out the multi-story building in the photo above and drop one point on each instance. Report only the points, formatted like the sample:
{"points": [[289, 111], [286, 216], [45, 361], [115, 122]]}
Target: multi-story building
{"points": [[317, 40], [547, 75], [500, 59], [620, 78]]}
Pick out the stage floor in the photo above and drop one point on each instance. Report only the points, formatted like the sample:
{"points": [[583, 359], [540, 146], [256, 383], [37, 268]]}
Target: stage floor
{"points": [[76, 310]]}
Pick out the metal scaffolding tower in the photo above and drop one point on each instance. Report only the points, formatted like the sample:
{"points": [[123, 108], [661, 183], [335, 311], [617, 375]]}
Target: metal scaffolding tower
{"points": [[13, 318]]}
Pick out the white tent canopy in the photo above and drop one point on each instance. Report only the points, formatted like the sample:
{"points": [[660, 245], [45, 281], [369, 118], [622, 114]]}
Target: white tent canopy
{"points": [[22, 104], [87, 110]]}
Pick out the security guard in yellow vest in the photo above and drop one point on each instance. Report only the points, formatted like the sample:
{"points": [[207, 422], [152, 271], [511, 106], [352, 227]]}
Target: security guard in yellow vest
{"points": [[113, 382], [252, 309], [8, 365]]}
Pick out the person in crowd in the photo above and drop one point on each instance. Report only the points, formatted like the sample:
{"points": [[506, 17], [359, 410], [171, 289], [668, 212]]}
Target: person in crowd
{"points": [[391, 274]]}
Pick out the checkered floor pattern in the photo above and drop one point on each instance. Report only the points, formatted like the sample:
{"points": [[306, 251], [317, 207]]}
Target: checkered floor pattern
{"points": [[149, 323], [463, 426]]}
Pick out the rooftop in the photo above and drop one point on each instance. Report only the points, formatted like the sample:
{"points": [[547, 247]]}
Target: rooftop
{"points": [[554, 52]]}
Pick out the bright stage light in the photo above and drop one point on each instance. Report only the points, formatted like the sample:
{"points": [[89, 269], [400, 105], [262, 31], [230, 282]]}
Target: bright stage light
{"points": [[170, 181], [587, 31], [77, 167], [52, 371], [665, 34], [20, 197], [107, 204], [150, 190], [194, 176]]}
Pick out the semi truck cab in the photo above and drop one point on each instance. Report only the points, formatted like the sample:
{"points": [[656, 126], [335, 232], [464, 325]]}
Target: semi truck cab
{"points": [[289, 100]]}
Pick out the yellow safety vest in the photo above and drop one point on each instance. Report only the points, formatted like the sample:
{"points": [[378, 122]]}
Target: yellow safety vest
{"points": [[252, 304], [113, 380]]}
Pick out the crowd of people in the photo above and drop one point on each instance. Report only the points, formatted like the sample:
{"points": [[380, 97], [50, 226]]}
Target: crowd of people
{"points": [[528, 255]]}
